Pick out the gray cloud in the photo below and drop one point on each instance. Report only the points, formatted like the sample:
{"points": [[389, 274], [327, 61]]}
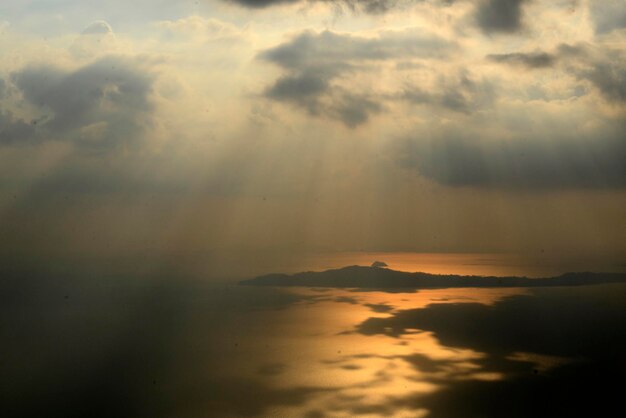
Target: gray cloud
{"points": [[460, 94], [368, 6], [608, 15], [3, 88], [314, 61], [334, 50], [491, 16], [14, 130], [355, 109], [262, 3], [305, 90], [111, 95], [502, 16], [302, 89], [569, 51], [609, 77], [528, 60], [537, 163], [604, 68]]}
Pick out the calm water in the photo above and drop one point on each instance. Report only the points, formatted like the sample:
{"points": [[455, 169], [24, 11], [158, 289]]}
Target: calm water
{"points": [[187, 350]]}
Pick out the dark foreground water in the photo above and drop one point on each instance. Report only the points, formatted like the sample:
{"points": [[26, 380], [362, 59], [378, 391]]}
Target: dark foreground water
{"points": [[83, 348]]}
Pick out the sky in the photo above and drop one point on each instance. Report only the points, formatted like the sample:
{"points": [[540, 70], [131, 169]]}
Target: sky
{"points": [[226, 137]]}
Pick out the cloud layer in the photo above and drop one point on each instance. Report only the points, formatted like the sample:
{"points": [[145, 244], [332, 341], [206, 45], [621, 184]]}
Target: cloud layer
{"points": [[532, 163], [103, 104], [500, 15], [316, 63]]}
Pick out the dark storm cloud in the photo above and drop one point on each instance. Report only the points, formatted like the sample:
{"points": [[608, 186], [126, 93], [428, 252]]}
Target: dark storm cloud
{"points": [[529, 60], [111, 95], [503, 16], [537, 163], [608, 15], [314, 61]]}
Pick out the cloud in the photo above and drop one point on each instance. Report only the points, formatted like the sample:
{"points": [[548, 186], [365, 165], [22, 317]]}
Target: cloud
{"points": [[368, 6], [533, 163], [258, 4], [542, 59], [315, 63], [305, 91], [199, 27], [609, 77], [105, 103], [460, 93], [298, 88], [607, 15], [14, 130], [573, 55], [529, 60], [504, 16], [3, 88], [604, 68], [99, 27], [334, 49], [556, 158]]}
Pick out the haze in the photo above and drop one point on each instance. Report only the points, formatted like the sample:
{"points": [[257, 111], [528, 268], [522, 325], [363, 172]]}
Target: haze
{"points": [[153, 153]]}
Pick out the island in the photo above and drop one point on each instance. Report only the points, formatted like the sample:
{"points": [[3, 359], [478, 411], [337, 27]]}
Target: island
{"points": [[377, 276]]}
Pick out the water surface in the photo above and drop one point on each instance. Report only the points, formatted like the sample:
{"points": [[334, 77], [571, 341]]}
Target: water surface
{"points": [[190, 350]]}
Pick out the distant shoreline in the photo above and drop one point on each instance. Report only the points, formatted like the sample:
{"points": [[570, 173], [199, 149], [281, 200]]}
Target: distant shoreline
{"points": [[375, 277]]}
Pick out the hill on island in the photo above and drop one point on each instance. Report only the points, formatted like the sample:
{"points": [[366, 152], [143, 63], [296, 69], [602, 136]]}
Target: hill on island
{"points": [[375, 277]]}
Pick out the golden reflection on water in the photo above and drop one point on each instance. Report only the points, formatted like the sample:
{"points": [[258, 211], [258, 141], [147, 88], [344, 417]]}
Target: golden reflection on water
{"points": [[313, 344]]}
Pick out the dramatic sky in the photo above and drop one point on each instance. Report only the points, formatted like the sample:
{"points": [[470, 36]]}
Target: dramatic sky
{"points": [[210, 133]]}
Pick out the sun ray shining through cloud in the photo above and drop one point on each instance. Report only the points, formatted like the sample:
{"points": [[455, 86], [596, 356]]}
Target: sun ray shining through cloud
{"points": [[153, 153]]}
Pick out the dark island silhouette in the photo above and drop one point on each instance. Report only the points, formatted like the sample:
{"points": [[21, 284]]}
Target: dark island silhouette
{"points": [[377, 276]]}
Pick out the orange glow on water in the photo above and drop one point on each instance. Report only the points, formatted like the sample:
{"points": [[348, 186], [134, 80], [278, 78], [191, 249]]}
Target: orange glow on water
{"points": [[316, 342]]}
